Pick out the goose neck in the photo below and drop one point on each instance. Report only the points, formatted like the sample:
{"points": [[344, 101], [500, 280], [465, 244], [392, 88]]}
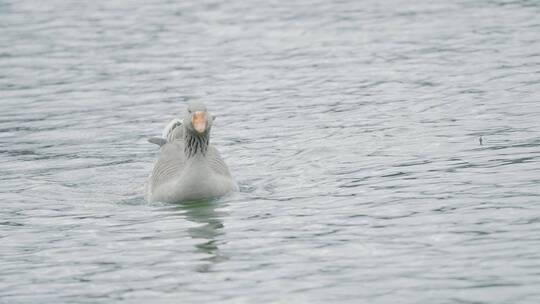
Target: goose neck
{"points": [[195, 145]]}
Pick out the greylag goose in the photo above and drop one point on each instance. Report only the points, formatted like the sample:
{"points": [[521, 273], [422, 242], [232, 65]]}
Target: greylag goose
{"points": [[188, 167]]}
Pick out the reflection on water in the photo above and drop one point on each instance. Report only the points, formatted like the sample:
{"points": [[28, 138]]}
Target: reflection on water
{"points": [[209, 228]]}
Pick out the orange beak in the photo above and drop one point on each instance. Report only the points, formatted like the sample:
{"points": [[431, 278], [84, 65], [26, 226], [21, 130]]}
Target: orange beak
{"points": [[198, 121]]}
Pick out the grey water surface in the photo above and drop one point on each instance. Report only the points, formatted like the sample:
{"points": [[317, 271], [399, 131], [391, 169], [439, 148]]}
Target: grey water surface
{"points": [[386, 151]]}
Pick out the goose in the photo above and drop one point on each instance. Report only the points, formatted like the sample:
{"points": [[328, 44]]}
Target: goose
{"points": [[188, 167]]}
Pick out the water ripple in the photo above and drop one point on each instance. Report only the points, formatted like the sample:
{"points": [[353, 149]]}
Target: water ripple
{"points": [[385, 151]]}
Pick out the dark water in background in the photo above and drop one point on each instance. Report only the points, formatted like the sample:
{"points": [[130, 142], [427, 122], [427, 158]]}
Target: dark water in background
{"points": [[352, 127]]}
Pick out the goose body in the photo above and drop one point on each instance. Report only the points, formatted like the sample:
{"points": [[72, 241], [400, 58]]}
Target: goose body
{"points": [[188, 167]]}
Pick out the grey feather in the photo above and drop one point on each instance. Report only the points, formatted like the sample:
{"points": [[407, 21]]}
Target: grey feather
{"points": [[157, 140], [188, 167], [176, 179]]}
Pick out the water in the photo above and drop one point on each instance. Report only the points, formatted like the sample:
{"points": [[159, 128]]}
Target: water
{"points": [[353, 129]]}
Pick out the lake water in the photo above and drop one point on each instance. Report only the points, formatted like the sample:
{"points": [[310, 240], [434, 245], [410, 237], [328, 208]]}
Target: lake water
{"points": [[386, 151]]}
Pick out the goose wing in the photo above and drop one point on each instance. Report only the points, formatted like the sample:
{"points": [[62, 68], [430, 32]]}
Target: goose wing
{"points": [[173, 131], [216, 162], [169, 165]]}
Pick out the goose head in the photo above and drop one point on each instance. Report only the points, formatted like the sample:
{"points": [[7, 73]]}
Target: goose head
{"points": [[197, 119]]}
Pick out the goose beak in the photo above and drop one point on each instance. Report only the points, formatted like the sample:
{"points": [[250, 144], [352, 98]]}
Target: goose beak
{"points": [[198, 121]]}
